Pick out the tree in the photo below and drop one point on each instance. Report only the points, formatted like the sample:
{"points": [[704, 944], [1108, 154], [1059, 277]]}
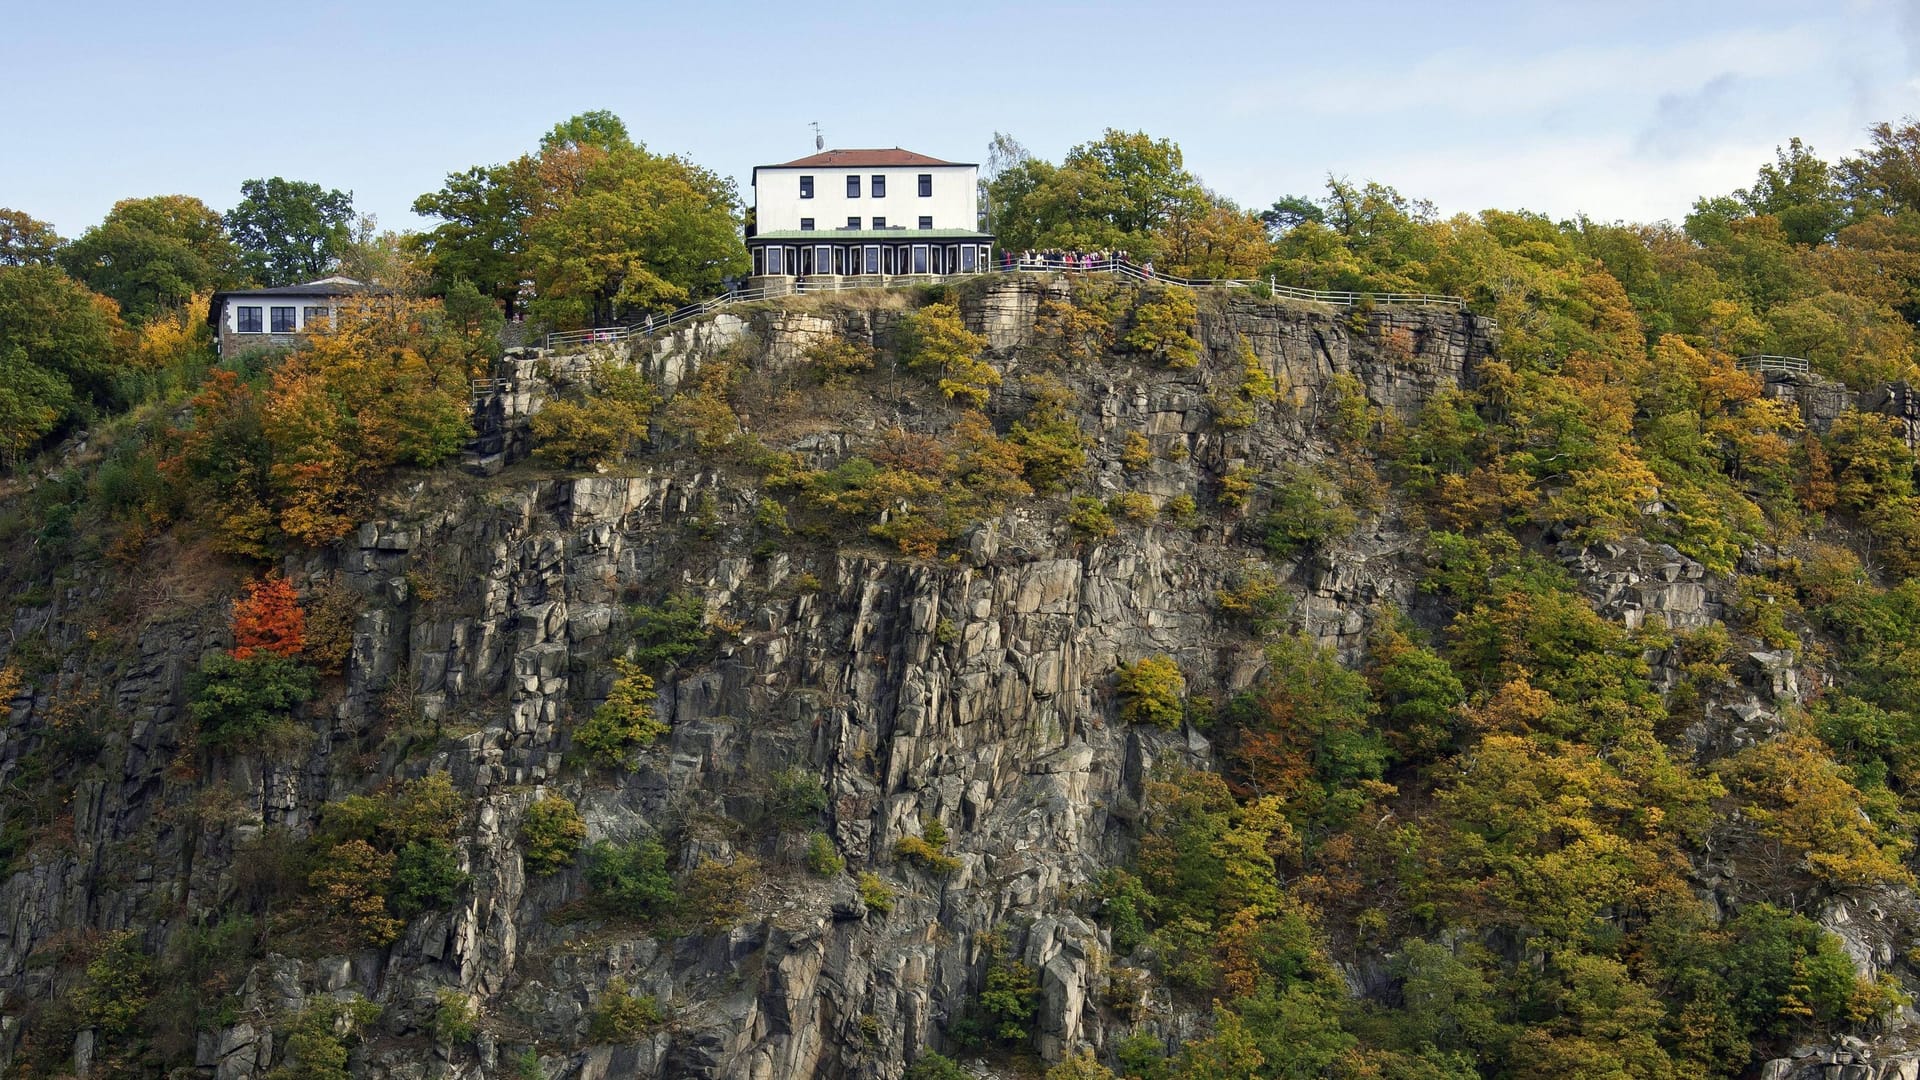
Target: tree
{"points": [[25, 241], [290, 231], [1288, 211], [481, 237], [269, 619], [597, 128], [1884, 179], [1802, 191], [624, 229], [153, 254], [59, 349], [1121, 192]]}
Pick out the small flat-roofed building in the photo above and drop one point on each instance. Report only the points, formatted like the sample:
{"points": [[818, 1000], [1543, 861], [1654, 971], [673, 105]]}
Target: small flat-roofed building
{"points": [[867, 212], [248, 319]]}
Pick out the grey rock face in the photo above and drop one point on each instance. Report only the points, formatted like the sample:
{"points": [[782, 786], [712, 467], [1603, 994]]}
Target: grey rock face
{"points": [[974, 691]]}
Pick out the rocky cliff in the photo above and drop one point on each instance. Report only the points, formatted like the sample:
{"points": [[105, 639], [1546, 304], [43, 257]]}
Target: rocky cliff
{"points": [[970, 691]]}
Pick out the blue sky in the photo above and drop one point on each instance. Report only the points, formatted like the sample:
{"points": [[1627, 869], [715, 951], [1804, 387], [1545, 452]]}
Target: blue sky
{"points": [[1620, 110]]}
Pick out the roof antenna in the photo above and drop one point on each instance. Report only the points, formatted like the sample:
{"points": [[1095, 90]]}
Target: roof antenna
{"points": [[819, 140]]}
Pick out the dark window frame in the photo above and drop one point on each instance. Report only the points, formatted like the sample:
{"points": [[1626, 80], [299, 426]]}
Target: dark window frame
{"points": [[879, 185], [879, 223], [249, 319], [926, 221], [806, 224], [853, 185], [806, 187], [926, 185], [283, 319], [853, 222], [309, 314]]}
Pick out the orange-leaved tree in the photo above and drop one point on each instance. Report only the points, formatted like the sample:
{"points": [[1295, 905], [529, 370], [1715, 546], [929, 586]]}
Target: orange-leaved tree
{"points": [[269, 618]]}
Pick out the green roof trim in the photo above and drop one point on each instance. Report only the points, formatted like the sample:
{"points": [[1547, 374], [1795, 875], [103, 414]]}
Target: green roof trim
{"points": [[833, 236]]}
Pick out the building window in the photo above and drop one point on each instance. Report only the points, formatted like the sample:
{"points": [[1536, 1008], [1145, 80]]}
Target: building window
{"points": [[247, 320], [773, 261], [926, 185], [879, 187], [806, 224], [282, 320], [879, 223], [806, 187], [314, 315], [853, 187], [926, 222], [853, 223]]}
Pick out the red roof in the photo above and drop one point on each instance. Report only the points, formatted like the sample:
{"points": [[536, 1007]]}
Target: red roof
{"points": [[861, 159]]}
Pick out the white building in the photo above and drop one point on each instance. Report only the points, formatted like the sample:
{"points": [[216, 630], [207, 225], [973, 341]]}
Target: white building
{"points": [[247, 319], [883, 212]]}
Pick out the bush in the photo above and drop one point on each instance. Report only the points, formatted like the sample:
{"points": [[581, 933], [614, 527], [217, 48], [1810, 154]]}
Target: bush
{"points": [[551, 834], [1011, 996], [631, 879], [935, 1066], [1306, 513], [717, 891], [795, 797], [925, 851], [612, 418], [119, 983], [1182, 511], [822, 857], [625, 720], [671, 632], [240, 704], [622, 1017], [1151, 689], [875, 893], [936, 341], [426, 876], [1090, 519], [352, 880], [1135, 506], [318, 1040], [1162, 329], [455, 1019]]}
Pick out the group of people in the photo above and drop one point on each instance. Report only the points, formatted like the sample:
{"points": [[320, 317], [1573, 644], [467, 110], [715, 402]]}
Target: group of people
{"points": [[1055, 259]]}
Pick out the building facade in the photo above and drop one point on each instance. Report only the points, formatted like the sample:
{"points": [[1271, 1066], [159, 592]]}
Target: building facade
{"points": [[247, 319], [867, 212]]}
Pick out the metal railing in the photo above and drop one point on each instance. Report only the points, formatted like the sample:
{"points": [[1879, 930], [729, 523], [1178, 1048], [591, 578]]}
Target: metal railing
{"points": [[1119, 268], [1769, 362]]}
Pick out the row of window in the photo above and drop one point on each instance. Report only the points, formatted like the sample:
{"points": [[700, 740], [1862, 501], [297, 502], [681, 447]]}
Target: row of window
{"points": [[806, 223], [877, 183], [279, 319], [872, 259]]}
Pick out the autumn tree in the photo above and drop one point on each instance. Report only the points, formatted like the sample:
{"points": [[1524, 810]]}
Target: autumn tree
{"points": [[269, 619], [626, 229], [386, 387]]}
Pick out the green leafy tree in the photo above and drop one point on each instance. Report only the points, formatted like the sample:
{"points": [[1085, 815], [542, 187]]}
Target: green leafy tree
{"points": [[290, 231], [26, 241], [152, 255], [237, 703], [59, 351], [632, 878], [551, 835], [616, 228], [481, 237]]}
